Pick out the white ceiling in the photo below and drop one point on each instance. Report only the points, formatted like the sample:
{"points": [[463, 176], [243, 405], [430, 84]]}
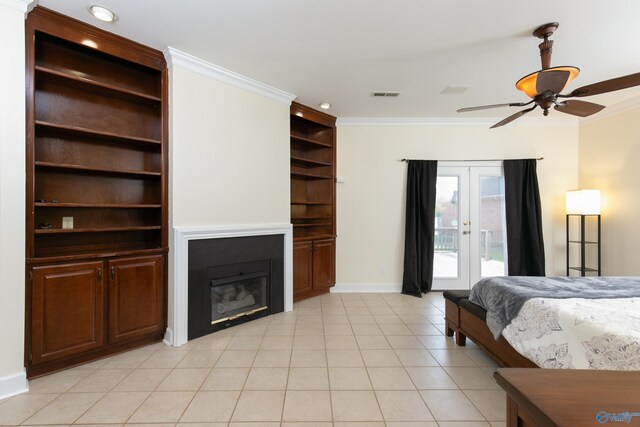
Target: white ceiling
{"points": [[339, 51]]}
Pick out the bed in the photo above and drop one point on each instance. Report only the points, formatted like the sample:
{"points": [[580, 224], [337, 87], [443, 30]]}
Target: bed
{"points": [[554, 322]]}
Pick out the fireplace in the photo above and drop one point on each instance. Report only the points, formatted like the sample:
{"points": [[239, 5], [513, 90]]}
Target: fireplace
{"points": [[233, 281], [182, 270]]}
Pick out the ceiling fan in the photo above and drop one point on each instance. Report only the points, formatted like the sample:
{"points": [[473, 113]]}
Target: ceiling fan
{"points": [[544, 86]]}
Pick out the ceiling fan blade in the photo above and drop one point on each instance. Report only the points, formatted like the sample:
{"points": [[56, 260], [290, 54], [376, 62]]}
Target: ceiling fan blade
{"points": [[553, 81], [607, 86], [578, 108], [486, 107], [513, 117]]}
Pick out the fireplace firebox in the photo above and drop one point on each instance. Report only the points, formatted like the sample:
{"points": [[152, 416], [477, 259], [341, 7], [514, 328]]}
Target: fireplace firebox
{"points": [[238, 296], [234, 280]]}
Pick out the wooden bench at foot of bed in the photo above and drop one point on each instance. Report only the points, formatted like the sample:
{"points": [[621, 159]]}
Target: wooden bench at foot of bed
{"points": [[473, 325], [467, 319]]}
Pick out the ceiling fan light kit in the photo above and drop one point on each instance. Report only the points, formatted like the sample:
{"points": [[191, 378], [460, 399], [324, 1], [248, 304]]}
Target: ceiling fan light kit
{"points": [[544, 86], [561, 75]]}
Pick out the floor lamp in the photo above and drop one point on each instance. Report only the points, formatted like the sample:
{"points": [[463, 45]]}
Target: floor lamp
{"points": [[583, 204]]}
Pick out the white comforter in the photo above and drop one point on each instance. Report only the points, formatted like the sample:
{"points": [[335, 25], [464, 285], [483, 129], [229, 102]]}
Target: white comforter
{"points": [[578, 333]]}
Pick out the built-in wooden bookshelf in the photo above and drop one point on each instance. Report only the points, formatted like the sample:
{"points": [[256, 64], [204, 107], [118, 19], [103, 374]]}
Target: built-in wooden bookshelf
{"points": [[96, 193], [313, 200]]}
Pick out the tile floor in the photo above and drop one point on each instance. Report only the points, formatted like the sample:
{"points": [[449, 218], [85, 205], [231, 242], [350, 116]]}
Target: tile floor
{"points": [[339, 360]]}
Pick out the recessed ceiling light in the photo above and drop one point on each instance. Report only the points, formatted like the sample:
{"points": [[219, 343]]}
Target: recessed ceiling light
{"points": [[325, 105], [102, 13]]}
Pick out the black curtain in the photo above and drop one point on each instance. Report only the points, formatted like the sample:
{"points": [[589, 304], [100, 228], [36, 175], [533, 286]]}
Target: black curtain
{"points": [[419, 227], [525, 246]]}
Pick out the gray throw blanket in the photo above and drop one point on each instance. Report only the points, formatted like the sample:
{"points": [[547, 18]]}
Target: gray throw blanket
{"points": [[503, 297]]}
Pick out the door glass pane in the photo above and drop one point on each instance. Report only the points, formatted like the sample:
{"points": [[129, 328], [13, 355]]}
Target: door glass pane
{"points": [[492, 227], [446, 245]]}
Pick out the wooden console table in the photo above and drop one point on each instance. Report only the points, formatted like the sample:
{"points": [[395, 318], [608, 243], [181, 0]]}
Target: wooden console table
{"points": [[553, 397]]}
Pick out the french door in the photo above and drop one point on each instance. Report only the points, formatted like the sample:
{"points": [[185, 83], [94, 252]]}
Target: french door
{"points": [[470, 231]]}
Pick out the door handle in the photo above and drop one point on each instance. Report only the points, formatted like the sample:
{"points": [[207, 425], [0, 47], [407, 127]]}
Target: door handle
{"points": [[466, 232], [113, 273], [100, 275]]}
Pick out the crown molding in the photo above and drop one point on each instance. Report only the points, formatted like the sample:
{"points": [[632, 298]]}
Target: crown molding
{"points": [[451, 121], [612, 110], [23, 6], [177, 57]]}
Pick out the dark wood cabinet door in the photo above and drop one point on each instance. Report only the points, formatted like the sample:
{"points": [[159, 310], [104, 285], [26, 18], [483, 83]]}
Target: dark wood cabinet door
{"points": [[302, 268], [324, 255], [135, 297], [67, 310]]}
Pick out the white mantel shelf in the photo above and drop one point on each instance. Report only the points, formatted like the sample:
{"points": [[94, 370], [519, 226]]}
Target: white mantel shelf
{"points": [[177, 331]]}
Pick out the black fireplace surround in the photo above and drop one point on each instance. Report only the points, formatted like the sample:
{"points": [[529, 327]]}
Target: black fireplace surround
{"points": [[232, 280]]}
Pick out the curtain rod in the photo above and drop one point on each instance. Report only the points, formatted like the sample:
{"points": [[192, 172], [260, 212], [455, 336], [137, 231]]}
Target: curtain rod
{"points": [[481, 160]]}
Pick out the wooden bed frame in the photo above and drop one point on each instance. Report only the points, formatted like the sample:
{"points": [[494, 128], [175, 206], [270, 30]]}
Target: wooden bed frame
{"points": [[466, 324]]}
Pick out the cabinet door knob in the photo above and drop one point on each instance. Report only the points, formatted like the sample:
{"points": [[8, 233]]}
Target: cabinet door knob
{"points": [[113, 273], [100, 275]]}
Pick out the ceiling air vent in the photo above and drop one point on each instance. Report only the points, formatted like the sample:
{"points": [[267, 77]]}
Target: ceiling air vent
{"points": [[455, 90], [385, 94]]}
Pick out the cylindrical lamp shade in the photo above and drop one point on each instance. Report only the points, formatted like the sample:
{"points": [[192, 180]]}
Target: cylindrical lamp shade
{"points": [[583, 202]]}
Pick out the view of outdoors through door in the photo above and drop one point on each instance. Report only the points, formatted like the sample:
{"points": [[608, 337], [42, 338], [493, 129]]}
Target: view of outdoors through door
{"points": [[446, 240], [469, 238], [492, 226]]}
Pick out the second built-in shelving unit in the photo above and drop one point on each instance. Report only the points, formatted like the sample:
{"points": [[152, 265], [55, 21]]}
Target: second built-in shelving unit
{"points": [[313, 200], [312, 173]]}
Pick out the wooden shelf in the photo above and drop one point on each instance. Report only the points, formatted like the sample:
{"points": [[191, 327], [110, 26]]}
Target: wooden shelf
{"points": [[587, 242], [311, 217], [87, 83], [310, 175], [94, 230], [92, 169], [310, 203], [308, 162], [77, 130], [95, 254], [317, 224], [96, 205], [313, 237], [306, 140]]}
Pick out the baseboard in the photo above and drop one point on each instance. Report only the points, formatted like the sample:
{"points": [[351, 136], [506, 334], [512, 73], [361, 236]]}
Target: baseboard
{"points": [[13, 384], [168, 337], [367, 288]]}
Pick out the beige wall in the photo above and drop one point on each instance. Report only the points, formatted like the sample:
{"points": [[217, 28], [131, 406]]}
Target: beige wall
{"points": [[230, 154], [609, 153], [372, 198], [12, 191]]}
